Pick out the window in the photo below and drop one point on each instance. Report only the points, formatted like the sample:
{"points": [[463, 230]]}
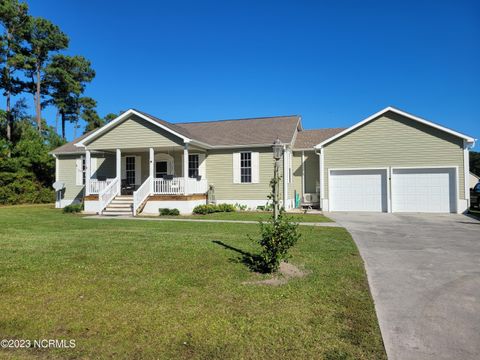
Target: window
{"points": [[161, 169], [246, 167], [130, 169], [193, 166], [84, 170]]}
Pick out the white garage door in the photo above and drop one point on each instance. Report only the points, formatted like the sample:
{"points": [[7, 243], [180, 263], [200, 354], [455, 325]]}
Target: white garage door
{"points": [[424, 190], [358, 190]]}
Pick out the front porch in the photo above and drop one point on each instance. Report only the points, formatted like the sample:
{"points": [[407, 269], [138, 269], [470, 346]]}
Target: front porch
{"points": [[142, 173]]}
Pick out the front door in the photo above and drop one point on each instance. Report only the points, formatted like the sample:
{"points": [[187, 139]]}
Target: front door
{"points": [[161, 169]]}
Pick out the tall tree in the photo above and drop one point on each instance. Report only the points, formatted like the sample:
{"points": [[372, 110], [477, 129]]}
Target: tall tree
{"points": [[43, 38], [110, 116], [90, 116], [67, 77], [15, 22]]}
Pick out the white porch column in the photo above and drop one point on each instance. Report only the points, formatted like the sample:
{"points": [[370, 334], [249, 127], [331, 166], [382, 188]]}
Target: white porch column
{"points": [[303, 174], [151, 168], [185, 167], [87, 172], [321, 160], [119, 169]]}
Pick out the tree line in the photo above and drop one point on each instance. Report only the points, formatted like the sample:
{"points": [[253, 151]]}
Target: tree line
{"points": [[33, 63]]}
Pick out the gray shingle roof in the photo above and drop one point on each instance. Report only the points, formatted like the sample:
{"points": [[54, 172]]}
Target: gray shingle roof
{"points": [[252, 131], [70, 148], [240, 132], [307, 139]]}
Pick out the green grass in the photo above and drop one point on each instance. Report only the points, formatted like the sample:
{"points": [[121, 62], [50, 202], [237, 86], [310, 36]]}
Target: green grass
{"points": [[255, 216], [150, 289]]}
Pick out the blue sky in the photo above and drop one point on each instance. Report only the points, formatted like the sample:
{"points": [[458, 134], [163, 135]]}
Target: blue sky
{"points": [[333, 62]]}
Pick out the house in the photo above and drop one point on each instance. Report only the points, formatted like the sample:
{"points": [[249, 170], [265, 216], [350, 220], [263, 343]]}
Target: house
{"points": [[390, 162], [474, 179]]}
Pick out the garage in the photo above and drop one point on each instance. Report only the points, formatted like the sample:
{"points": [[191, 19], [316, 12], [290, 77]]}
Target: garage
{"points": [[358, 190], [424, 190]]}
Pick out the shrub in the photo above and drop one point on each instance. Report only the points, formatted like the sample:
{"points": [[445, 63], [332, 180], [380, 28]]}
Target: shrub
{"points": [[277, 237], [226, 208], [240, 207], [205, 209], [169, 212], [212, 208], [266, 207], [200, 209], [73, 208]]}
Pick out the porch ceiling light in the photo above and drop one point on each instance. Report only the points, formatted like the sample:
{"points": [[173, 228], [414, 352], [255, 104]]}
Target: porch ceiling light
{"points": [[277, 149]]}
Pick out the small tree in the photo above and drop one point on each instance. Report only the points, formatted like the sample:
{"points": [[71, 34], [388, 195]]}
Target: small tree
{"points": [[278, 235]]}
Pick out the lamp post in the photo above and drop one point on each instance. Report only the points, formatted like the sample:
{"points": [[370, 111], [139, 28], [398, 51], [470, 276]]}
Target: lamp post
{"points": [[277, 155]]}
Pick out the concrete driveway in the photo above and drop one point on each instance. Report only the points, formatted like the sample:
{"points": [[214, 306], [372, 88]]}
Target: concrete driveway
{"points": [[424, 275]]}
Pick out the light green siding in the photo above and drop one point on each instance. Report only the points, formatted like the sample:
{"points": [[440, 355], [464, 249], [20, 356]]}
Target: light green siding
{"points": [[220, 174], [297, 173], [105, 165], [393, 140], [134, 133], [312, 172], [67, 174]]}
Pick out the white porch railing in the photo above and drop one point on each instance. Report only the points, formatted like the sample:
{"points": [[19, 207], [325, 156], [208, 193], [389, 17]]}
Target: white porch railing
{"points": [[176, 186], [141, 194], [173, 186], [195, 186], [97, 186], [108, 193]]}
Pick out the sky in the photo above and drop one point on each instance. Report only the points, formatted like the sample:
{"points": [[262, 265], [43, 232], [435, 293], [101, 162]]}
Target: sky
{"points": [[332, 62]]}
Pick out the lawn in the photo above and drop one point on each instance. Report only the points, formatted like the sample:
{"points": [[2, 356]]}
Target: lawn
{"points": [[150, 289], [255, 216]]}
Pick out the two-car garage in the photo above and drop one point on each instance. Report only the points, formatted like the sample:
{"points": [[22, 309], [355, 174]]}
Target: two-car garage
{"points": [[395, 162], [393, 189]]}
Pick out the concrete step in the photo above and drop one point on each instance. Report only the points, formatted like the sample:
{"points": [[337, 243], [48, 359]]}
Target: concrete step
{"points": [[116, 213], [120, 204], [118, 209], [124, 197]]}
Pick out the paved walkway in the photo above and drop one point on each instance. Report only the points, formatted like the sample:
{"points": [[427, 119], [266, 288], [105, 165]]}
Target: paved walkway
{"points": [[424, 275], [324, 224]]}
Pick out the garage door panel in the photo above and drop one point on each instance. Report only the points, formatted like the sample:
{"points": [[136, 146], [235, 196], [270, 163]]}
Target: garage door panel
{"points": [[358, 190], [424, 190]]}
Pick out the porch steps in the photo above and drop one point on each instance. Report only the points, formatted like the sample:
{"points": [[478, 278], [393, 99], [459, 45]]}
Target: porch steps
{"points": [[120, 206]]}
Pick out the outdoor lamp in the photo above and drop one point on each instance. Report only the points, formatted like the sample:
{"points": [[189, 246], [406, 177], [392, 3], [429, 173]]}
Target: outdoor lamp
{"points": [[277, 149]]}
